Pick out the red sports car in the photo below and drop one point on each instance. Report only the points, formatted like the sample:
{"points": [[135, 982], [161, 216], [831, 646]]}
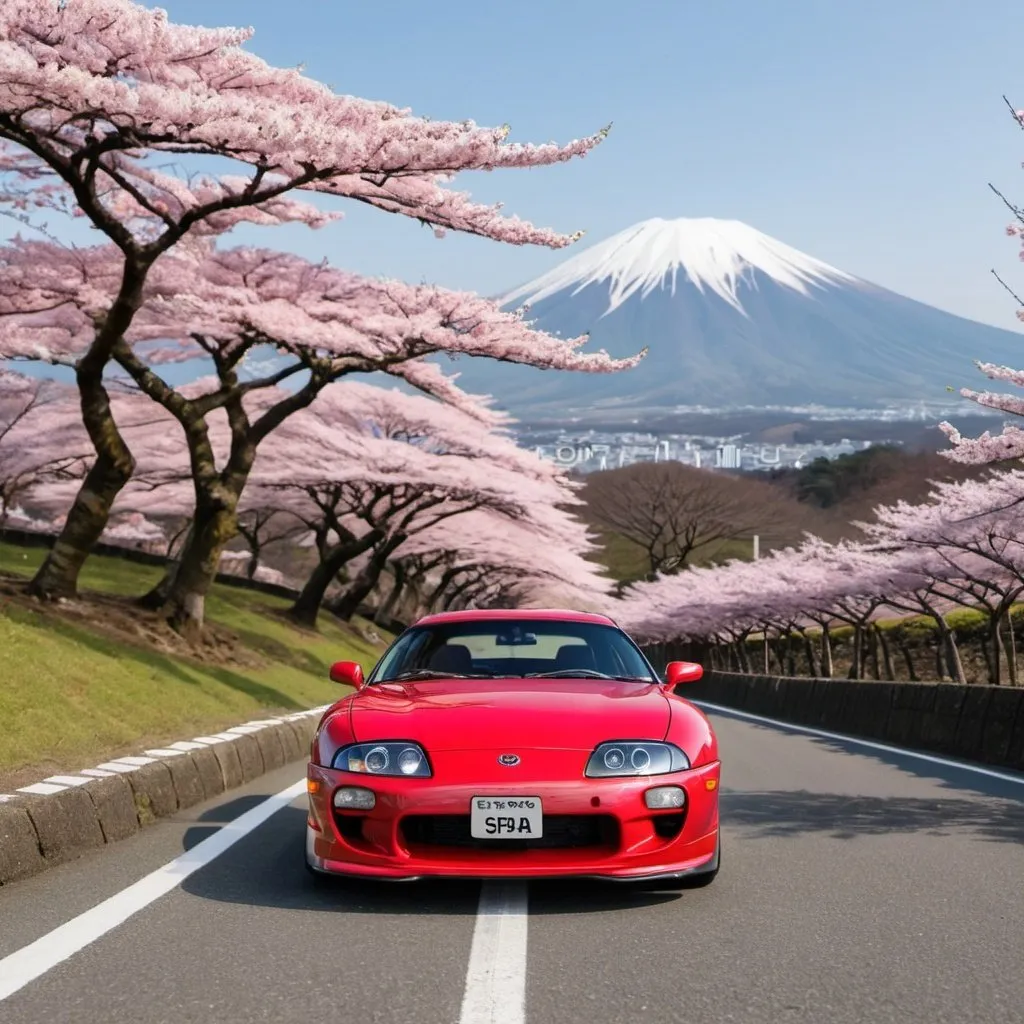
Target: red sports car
{"points": [[525, 744]]}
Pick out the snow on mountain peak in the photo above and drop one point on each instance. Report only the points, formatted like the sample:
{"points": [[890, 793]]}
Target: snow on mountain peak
{"points": [[713, 254]]}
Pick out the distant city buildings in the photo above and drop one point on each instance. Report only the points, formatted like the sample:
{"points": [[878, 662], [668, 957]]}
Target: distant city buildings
{"points": [[593, 451]]}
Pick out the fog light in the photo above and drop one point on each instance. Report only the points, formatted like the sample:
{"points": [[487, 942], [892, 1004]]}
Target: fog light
{"points": [[662, 797], [354, 798]]}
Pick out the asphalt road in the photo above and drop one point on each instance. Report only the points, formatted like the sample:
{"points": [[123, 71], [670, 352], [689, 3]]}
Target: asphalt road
{"points": [[857, 886]]}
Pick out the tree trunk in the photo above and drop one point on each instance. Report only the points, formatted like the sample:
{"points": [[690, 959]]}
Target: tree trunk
{"points": [[940, 661], [1010, 649], [360, 588], [184, 605], [827, 663], [306, 608], [114, 465], [908, 657], [873, 638], [447, 577], [887, 662], [953, 662], [995, 644], [812, 661], [58, 575], [858, 653], [741, 654], [387, 607]]}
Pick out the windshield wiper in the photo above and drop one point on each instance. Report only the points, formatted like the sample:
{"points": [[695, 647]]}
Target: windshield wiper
{"points": [[432, 673], [570, 673], [584, 673]]}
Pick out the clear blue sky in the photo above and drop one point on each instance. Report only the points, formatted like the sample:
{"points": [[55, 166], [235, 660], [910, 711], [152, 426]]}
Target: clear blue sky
{"points": [[864, 133]]}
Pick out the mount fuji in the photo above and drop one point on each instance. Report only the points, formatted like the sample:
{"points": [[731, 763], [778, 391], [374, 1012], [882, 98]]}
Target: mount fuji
{"points": [[734, 319]]}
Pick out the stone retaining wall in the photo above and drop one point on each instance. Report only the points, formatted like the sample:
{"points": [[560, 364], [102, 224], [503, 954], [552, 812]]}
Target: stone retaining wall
{"points": [[58, 819], [972, 723]]}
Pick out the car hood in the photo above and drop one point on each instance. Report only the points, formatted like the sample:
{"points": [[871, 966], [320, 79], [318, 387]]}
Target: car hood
{"points": [[472, 714]]}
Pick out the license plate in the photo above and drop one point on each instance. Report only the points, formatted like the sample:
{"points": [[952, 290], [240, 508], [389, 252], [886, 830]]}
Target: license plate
{"points": [[506, 817]]}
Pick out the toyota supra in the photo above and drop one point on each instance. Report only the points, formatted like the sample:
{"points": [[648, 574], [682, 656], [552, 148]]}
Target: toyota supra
{"points": [[514, 744]]}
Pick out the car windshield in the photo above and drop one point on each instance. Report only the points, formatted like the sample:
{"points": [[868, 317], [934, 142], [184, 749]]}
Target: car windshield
{"points": [[513, 648]]}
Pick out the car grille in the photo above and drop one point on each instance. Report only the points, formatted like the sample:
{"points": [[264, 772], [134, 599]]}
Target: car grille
{"points": [[561, 832]]}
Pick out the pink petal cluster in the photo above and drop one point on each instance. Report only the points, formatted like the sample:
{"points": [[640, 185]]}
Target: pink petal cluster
{"points": [[90, 88], [201, 299]]}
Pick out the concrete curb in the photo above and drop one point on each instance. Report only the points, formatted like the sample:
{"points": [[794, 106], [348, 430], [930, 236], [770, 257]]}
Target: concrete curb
{"points": [[63, 816]]}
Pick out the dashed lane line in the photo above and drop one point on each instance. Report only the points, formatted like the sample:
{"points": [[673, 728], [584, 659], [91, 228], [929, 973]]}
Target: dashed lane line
{"points": [[495, 990]]}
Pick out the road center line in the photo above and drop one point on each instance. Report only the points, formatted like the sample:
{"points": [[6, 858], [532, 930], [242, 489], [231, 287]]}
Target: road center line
{"points": [[35, 959], [977, 769], [496, 977]]}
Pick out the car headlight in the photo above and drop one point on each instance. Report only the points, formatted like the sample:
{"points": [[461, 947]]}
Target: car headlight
{"points": [[406, 759], [632, 758]]}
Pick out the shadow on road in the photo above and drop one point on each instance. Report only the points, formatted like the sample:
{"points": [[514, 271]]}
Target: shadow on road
{"points": [[265, 869], [787, 813]]}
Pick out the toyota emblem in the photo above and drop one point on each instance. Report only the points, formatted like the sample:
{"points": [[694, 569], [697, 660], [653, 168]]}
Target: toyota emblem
{"points": [[508, 760]]}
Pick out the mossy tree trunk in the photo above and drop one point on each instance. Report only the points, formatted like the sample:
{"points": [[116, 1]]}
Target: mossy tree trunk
{"points": [[58, 576], [306, 608]]}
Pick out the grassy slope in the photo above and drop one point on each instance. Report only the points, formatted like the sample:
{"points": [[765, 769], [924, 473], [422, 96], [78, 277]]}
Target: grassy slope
{"points": [[74, 691]]}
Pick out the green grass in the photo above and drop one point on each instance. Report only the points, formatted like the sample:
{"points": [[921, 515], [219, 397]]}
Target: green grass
{"points": [[83, 685]]}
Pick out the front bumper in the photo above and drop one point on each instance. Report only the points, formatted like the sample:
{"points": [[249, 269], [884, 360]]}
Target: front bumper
{"points": [[594, 828]]}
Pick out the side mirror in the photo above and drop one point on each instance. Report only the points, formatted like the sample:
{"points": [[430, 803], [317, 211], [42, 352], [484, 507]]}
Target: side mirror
{"points": [[677, 672], [348, 673]]}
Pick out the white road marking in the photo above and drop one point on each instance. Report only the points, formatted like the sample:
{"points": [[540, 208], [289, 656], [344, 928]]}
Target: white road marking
{"points": [[496, 978], [992, 773], [35, 959]]}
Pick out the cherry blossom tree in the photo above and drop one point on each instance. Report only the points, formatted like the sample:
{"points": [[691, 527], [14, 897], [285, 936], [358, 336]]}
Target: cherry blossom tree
{"points": [[975, 527], [38, 440], [1008, 444], [92, 91], [366, 468], [540, 559], [323, 324]]}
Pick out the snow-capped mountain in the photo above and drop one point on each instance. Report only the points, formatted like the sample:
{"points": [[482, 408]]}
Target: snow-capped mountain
{"points": [[734, 318]]}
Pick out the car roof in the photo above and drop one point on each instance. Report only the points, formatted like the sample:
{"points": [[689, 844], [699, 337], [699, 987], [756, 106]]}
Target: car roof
{"points": [[543, 614]]}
